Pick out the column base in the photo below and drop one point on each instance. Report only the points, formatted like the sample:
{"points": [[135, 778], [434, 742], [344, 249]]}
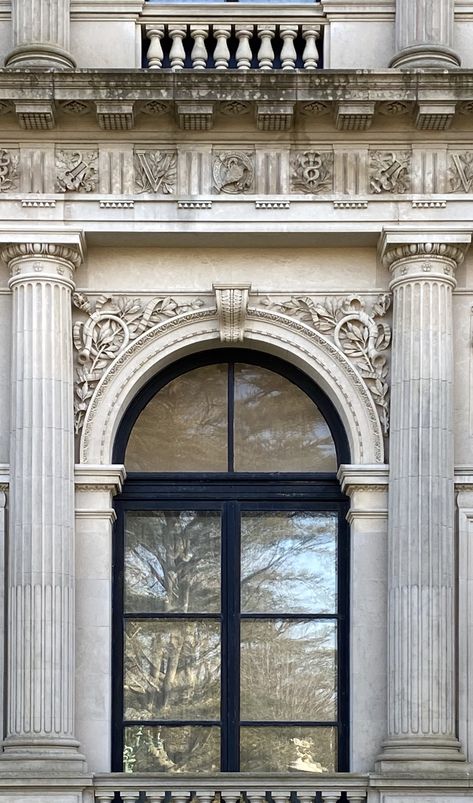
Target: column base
{"points": [[412, 756], [429, 57], [46, 57], [36, 757]]}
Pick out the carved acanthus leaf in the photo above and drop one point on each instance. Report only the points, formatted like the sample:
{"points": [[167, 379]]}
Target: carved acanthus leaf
{"points": [[460, 171], [356, 330], [109, 326]]}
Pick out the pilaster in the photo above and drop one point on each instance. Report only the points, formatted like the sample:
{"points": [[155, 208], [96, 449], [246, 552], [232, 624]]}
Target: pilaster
{"points": [[41, 601], [421, 595], [424, 34], [367, 488], [40, 34]]}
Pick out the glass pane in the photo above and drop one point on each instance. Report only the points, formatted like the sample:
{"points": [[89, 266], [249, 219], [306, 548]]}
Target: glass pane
{"points": [[172, 670], [172, 561], [164, 749], [183, 427], [288, 670], [277, 426], [288, 749], [289, 562]]}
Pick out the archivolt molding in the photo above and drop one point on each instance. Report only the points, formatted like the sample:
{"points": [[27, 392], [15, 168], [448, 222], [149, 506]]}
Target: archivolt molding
{"points": [[132, 361], [356, 330]]}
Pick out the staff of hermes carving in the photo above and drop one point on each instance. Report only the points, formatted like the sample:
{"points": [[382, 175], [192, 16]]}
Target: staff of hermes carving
{"points": [[345, 331]]}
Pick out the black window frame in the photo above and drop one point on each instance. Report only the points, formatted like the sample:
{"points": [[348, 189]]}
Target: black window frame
{"points": [[231, 493]]}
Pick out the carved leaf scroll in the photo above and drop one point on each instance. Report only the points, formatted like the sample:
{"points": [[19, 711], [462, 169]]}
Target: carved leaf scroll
{"points": [[390, 171], [356, 330], [156, 171], [312, 171], [8, 170], [76, 171], [110, 325]]}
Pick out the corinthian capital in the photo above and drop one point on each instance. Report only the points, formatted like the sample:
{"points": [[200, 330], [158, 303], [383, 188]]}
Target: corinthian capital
{"points": [[434, 255]]}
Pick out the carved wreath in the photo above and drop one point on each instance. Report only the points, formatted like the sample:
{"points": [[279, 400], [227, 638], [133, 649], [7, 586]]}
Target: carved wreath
{"points": [[356, 331], [110, 326]]}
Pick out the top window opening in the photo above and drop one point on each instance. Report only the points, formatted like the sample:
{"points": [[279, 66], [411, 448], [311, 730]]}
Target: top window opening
{"points": [[230, 417]]}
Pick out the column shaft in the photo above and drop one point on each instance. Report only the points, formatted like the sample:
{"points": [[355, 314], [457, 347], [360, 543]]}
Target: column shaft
{"points": [[421, 625], [40, 34], [424, 34], [40, 720]]}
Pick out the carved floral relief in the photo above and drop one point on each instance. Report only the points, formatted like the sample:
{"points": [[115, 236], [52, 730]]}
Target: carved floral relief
{"points": [[460, 171], [110, 324], [9, 162], [356, 329]]}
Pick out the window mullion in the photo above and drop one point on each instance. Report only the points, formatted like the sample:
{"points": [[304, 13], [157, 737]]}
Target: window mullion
{"points": [[231, 638]]}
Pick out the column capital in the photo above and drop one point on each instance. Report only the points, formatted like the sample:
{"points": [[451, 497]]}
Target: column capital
{"points": [[430, 255], [43, 257]]}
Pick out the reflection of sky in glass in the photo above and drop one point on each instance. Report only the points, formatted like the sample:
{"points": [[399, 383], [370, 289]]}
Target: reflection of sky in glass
{"points": [[277, 426], [288, 562], [172, 561]]}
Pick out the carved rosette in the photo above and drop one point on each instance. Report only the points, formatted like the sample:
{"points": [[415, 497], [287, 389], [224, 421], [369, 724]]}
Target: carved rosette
{"points": [[232, 305]]}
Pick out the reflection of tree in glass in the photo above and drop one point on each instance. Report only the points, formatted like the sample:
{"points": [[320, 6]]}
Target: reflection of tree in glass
{"points": [[172, 561], [172, 670], [164, 749], [288, 562], [288, 670], [288, 749]]}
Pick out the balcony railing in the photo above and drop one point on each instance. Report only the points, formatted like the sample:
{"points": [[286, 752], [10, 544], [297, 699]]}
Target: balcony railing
{"points": [[231, 788], [225, 36]]}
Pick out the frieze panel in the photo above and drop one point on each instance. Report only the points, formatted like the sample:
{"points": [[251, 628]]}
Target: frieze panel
{"points": [[155, 171], [76, 171], [233, 172], [355, 327], [460, 171], [312, 171], [9, 161], [390, 171], [106, 327]]}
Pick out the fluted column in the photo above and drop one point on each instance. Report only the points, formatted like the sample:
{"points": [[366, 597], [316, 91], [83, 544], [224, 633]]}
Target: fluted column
{"points": [[40, 715], [421, 594], [40, 34], [424, 34]]}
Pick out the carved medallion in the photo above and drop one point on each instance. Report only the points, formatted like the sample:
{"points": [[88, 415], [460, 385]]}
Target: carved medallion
{"points": [[390, 171], [233, 172], [77, 171], [312, 171], [156, 171]]}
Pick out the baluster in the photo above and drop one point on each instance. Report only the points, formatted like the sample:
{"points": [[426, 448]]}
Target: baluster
{"points": [[222, 53], [199, 53], [129, 796], [155, 797], [155, 53], [177, 54], [104, 797], [288, 51], [331, 796], [310, 56], [266, 52], [244, 56]]}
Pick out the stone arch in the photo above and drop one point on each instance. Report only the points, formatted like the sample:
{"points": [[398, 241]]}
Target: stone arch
{"points": [[267, 331]]}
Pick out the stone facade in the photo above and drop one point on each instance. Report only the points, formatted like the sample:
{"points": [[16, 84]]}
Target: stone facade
{"points": [[287, 177]]}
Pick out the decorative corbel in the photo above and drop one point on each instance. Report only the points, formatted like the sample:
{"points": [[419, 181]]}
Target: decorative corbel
{"points": [[232, 306]]}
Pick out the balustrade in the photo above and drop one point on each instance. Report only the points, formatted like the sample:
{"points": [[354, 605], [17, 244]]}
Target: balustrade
{"points": [[238, 787], [237, 45]]}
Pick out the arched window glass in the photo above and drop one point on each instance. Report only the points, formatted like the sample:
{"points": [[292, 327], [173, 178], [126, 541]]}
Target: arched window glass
{"points": [[231, 574], [234, 416]]}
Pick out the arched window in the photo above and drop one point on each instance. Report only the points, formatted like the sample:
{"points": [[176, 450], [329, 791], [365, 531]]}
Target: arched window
{"points": [[231, 573]]}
